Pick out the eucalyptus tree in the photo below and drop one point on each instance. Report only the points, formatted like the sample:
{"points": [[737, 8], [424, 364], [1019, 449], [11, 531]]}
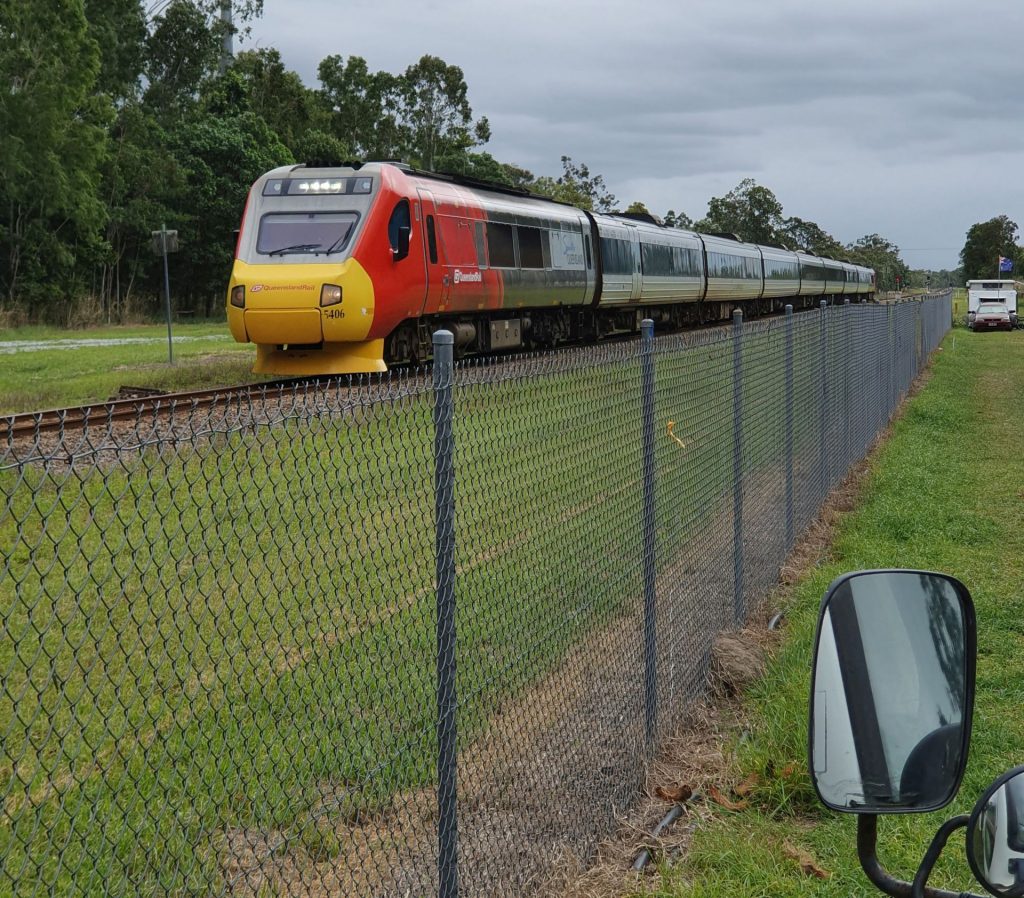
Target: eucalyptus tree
{"points": [[749, 210], [53, 125]]}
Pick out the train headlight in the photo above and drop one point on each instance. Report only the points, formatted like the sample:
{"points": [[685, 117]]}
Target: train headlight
{"points": [[330, 295], [238, 296]]}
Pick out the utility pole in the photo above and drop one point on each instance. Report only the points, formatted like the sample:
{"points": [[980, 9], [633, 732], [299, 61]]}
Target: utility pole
{"points": [[227, 48]]}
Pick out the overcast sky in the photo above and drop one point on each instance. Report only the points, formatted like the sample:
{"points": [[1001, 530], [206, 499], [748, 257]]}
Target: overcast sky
{"points": [[901, 117]]}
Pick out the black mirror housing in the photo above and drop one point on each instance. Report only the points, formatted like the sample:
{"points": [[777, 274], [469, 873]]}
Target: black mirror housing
{"points": [[995, 836], [402, 250], [892, 692]]}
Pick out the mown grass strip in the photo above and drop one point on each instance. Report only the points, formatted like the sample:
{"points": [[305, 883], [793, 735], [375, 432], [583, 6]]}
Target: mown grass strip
{"points": [[63, 375], [944, 493]]}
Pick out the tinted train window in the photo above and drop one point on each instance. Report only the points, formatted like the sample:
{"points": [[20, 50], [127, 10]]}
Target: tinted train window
{"points": [[500, 249], [431, 240], [478, 242], [617, 256], [780, 271], [400, 217], [722, 265], [586, 251], [530, 253]]}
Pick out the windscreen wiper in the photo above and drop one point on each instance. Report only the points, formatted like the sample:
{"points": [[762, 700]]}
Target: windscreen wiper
{"points": [[337, 245], [296, 248]]}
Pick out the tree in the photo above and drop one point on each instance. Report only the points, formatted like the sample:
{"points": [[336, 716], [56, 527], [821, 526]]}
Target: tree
{"points": [[362, 107], [278, 96], [181, 53], [119, 29], [436, 112], [577, 186], [638, 208], [883, 256], [482, 166], [796, 233], [53, 145], [985, 243], [749, 210], [142, 187], [220, 157], [678, 220]]}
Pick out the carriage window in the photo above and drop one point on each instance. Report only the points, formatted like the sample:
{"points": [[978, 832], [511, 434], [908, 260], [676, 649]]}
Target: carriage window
{"points": [[530, 253], [500, 249], [478, 242], [586, 251], [431, 240], [400, 218], [617, 256]]}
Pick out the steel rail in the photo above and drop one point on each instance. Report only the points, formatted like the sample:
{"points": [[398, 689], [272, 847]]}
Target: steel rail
{"points": [[94, 414]]}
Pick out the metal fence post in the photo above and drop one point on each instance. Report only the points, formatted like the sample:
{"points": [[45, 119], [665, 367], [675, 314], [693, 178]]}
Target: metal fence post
{"points": [[737, 464], [789, 427], [823, 374], [891, 361], [444, 495], [650, 629], [846, 356]]}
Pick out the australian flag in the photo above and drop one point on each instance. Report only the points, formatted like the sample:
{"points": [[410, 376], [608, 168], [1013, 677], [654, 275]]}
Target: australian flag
{"points": [[1005, 264]]}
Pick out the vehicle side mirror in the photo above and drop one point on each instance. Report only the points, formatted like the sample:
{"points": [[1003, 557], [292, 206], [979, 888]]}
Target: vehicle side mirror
{"points": [[892, 692], [995, 836], [402, 250]]}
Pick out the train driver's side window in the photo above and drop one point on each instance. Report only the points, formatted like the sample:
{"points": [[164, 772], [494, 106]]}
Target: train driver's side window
{"points": [[400, 217]]}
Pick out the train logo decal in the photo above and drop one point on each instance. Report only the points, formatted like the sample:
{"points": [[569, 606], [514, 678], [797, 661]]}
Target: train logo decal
{"points": [[467, 277], [260, 288], [567, 251]]}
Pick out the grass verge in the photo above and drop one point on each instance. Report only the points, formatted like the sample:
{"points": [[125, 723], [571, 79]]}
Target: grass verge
{"points": [[45, 367], [942, 495]]}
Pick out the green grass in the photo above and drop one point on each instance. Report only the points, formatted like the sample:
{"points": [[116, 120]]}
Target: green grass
{"points": [[204, 640], [229, 634], [944, 494], [205, 356]]}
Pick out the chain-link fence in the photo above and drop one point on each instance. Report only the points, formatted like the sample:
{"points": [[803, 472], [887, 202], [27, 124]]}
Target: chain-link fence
{"points": [[407, 636]]}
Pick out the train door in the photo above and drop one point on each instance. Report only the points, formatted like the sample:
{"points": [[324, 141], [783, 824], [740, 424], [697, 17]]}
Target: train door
{"points": [[638, 284], [438, 279]]}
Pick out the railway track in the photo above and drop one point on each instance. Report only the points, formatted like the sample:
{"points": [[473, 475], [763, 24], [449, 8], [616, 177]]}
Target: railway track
{"points": [[25, 424]]}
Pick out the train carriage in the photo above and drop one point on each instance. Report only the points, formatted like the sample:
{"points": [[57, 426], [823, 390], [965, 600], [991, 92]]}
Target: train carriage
{"points": [[835, 277], [781, 273], [343, 269], [619, 256], [734, 270], [812, 274]]}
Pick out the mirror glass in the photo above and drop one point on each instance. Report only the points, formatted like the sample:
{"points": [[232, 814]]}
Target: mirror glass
{"points": [[995, 837], [893, 682]]}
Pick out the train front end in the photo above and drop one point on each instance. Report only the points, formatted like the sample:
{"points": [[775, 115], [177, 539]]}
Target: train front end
{"points": [[298, 289]]}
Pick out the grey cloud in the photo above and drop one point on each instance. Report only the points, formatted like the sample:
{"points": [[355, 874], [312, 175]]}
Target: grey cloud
{"points": [[895, 116]]}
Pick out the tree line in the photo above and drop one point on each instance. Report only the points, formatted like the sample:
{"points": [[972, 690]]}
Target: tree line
{"points": [[120, 116]]}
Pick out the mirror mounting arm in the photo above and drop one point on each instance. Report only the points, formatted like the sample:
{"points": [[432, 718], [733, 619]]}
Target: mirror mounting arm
{"points": [[920, 889], [867, 840]]}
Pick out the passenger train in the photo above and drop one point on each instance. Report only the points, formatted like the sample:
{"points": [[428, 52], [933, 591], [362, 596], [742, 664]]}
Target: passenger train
{"points": [[343, 270]]}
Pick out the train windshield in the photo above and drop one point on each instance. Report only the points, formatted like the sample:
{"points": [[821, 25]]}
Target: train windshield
{"points": [[286, 233]]}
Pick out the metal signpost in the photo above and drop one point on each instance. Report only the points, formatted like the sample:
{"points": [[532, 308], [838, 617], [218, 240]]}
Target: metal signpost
{"points": [[165, 242]]}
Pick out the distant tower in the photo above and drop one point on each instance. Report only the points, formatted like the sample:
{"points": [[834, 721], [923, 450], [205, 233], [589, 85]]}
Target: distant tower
{"points": [[227, 50]]}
